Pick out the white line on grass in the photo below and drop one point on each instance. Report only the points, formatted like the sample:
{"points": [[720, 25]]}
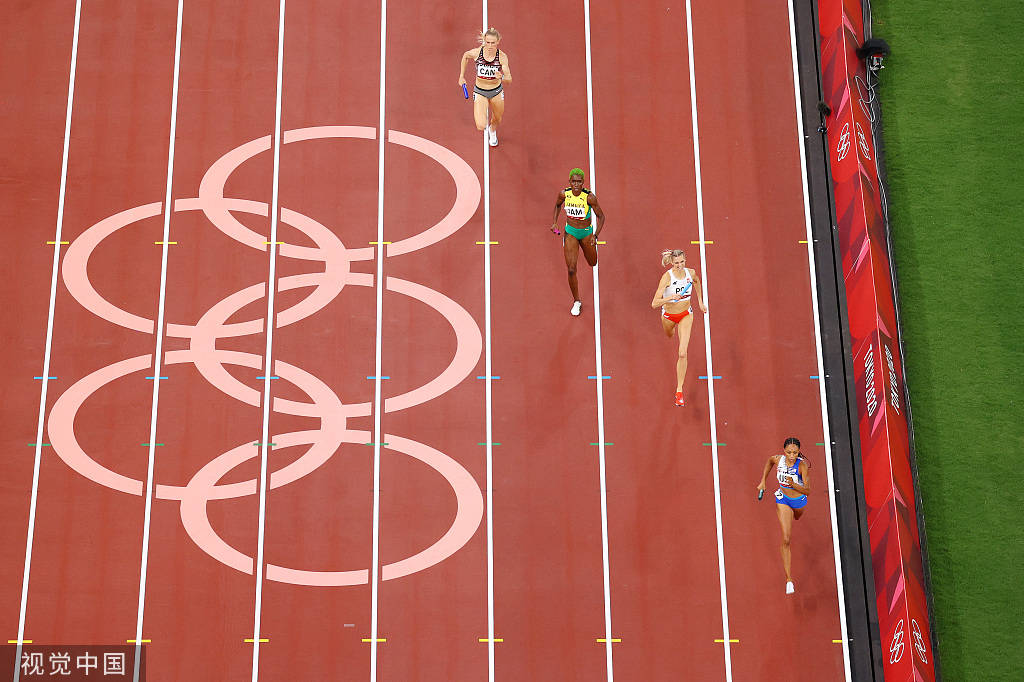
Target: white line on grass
{"points": [[158, 354], [707, 343], [817, 346], [268, 353], [30, 535], [599, 371]]}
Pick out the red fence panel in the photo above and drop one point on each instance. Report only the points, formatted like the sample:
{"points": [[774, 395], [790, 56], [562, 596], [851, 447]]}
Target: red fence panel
{"points": [[896, 555]]}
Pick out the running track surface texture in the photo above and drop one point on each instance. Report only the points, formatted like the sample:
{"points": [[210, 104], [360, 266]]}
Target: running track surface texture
{"points": [[419, 518]]}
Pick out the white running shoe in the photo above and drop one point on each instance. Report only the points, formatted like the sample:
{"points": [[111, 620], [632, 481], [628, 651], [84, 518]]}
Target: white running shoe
{"points": [[790, 589], [575, 311], [492, 136]]}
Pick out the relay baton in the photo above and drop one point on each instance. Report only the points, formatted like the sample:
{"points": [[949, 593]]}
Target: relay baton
{"points": [[760, 494], [465, 92]]}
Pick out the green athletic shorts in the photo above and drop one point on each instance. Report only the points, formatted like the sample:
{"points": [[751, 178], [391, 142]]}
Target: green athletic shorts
{"points": [[580, 234]]}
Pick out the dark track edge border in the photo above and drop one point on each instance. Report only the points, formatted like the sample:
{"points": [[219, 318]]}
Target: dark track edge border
{"points": [[855, 547]]}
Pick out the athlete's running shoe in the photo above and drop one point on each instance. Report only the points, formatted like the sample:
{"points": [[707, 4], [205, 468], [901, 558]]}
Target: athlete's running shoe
{"points": [[492, 137], [790, 589], [679, 399], [575, 310]]}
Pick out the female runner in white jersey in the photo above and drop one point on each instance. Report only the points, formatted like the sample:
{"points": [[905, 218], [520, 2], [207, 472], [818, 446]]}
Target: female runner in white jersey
{"points": [[791, 497], [675, 291], [492, 72]]}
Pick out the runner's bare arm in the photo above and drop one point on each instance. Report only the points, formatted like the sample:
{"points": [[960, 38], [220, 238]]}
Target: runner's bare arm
{"points": [[466, 57], [698, 290], [506, 75], [767, 467], [658, 300], [598, 211], [806, 487], [558, 206]]}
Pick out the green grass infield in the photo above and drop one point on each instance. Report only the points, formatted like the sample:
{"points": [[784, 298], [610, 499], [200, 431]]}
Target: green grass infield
{"points": [[953, 117]]}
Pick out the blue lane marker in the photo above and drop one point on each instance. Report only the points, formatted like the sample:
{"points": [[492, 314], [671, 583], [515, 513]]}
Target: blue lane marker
{"points": [[264, 377], [378, 377], [814, 376], [595, 377], [156, 377], [713, 376], [488, 377], [41, 378]]}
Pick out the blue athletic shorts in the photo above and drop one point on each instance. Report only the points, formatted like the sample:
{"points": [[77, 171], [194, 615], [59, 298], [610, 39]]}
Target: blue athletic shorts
{"points": [[792, 502]]}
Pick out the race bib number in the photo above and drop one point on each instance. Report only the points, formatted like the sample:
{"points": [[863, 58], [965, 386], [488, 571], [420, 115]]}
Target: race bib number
{"points": [[578, 212], [486, 71]]}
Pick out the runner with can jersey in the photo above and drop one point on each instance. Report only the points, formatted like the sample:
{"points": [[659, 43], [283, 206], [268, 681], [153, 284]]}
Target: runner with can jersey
{"points": [[492, 73]]}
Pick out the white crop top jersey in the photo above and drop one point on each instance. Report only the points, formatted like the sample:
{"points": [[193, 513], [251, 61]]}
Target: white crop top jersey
{"points": [[679, 287], [784, 472]]}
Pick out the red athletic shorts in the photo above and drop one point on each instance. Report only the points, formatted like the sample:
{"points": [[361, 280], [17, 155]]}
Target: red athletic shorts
{"points": [[675, 317]]}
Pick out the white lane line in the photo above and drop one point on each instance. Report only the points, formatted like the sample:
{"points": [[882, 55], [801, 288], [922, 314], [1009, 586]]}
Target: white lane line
{"points": [[379, 293], [489, 452], [707, 343], [817, 346], [158, 356], [599, 371], [30, 535], [268, 353]]}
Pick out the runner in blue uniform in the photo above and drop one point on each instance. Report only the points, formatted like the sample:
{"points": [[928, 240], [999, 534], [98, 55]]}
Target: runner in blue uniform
{"points": [[791, 497]]}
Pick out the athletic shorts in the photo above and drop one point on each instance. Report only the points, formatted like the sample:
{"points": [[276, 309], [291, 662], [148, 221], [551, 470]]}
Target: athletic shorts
{"points": [[793, 502], [579, 233], [489, 94], [676, 317]]}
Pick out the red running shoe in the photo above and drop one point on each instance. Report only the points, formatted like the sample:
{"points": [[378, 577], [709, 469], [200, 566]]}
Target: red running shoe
{"points": [[679, 399]]}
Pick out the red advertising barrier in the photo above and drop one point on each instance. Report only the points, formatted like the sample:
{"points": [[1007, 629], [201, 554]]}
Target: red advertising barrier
{"points": [[896, 558]]}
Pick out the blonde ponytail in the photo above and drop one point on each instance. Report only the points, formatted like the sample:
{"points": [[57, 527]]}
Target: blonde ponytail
{"points": [[668, 254]]}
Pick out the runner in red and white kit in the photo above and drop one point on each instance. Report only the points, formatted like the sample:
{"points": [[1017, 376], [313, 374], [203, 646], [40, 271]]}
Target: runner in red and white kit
{"points": [[491, 73], [676, 289]]}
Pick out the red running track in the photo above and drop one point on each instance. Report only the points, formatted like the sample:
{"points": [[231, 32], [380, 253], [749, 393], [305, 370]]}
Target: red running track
{"points": [[549, 603]]}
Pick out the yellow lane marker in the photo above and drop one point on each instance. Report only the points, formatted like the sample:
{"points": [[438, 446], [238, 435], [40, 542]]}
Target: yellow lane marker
{"points": [[24, 641], [377, 243], [605, 641], [837, 641], [802, 241], [273, 242], [722, 641], [704, 242], [162, 243], [367, 639], [484, 639], [53, 243], [494, 243], [601, 242], [250, 640], [144, 641]]}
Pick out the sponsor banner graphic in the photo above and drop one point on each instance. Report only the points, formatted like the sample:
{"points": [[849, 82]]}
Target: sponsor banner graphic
{"points": [[896, 559]]}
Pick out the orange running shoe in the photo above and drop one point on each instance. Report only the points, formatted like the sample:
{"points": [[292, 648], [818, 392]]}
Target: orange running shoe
{"points": [[679, 399]]}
